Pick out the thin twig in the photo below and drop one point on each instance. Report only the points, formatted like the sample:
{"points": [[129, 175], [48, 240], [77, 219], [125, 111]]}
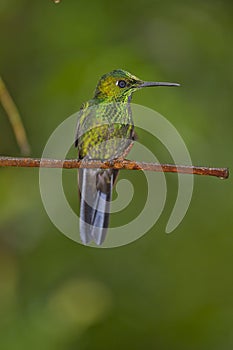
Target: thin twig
{"points": [[14, 118], [115, 164]]}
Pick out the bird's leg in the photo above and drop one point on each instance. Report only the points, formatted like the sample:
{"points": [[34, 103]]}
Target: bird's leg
{"points": [[125, 153]]}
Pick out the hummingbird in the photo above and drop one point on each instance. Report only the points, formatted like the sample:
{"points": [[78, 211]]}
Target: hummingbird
{"points": [[105, 131]]}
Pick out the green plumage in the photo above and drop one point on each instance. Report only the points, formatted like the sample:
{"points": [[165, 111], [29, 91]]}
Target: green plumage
{"points": [[105, 131], [106, 117]]}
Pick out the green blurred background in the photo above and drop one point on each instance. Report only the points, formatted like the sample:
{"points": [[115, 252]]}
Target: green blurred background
{"points": [[162, 291]]}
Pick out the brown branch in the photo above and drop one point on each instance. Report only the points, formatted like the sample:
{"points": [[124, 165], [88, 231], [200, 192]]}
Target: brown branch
{"points": [[14, 118], [116, 164]]}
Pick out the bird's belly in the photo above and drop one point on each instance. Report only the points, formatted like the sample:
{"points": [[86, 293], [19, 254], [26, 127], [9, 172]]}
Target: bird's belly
{"points": [[106, 144], [110, 149]]}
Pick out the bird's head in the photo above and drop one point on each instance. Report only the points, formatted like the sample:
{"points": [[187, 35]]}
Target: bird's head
{"points": [[119, 85]]}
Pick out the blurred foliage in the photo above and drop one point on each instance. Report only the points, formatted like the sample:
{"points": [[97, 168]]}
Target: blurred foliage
{"points": [[163, 291]]}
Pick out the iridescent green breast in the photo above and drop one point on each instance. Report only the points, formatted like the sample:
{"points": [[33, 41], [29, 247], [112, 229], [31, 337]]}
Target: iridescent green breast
{"points": [[105, 130]]}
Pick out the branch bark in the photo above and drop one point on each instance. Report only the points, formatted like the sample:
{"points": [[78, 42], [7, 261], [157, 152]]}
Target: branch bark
{"points": [[222, 173]]}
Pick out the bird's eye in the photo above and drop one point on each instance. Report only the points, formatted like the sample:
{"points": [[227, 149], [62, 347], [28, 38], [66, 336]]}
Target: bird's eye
{"points": [[121, 83]]}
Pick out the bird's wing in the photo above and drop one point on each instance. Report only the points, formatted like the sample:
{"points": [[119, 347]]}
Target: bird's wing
{"points": [[82, 115]]}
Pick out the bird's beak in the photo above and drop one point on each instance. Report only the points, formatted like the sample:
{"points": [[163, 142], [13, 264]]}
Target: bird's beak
{"points": [[154, 83]]}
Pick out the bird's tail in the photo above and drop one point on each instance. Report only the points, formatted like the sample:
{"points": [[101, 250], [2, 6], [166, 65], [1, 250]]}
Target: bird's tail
{"points": [[95, 186]]}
